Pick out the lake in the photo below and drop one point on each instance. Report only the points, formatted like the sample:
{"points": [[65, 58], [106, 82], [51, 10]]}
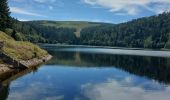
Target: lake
{"points": [[92, 73]]}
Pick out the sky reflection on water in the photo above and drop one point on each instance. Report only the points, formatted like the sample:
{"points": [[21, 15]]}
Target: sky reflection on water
{"points": [[73, 75]]}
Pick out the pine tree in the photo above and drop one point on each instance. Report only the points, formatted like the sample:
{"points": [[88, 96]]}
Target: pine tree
{"points": [[14, 35], [4, 15]]}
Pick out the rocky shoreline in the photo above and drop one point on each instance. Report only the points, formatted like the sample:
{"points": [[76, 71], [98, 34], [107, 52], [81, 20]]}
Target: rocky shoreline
{"points": [[36, 61], [30, 63], [4, 68]]}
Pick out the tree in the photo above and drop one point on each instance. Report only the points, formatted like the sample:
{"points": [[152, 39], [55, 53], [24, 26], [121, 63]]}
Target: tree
{"points": [[14, 35], [5, 21]]}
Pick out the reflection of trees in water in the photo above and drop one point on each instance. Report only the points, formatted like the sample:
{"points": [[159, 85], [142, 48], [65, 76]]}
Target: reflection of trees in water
{"points": [[4, 92], [152, 67], [62, 55], [7, 78], [77, 57], [66, 56]]}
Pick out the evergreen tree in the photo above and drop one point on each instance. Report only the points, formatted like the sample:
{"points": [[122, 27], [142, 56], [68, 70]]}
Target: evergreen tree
{"points": [[14, 35], [4, 15]]}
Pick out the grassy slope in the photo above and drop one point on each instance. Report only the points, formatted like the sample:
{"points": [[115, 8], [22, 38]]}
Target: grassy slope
{"points": [[20, 50], [78, 25]]}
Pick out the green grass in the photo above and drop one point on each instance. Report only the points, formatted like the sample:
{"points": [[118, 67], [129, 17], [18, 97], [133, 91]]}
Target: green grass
{"points": [[20, 50]]}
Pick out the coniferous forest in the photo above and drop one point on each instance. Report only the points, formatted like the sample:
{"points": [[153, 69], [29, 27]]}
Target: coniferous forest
{"points": [[147, 32]]}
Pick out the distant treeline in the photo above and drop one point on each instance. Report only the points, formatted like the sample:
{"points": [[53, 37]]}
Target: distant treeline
{"points": [[147, 32]]}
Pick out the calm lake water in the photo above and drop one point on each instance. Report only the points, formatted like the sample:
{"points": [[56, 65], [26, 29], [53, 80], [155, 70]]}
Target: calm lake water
{"points": [[86, 73]]}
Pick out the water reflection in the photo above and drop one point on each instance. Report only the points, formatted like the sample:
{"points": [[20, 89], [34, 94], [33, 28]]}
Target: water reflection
{"points": [[76, 75], [157, 68], [114, 90], [4, 91], [7, 78]]}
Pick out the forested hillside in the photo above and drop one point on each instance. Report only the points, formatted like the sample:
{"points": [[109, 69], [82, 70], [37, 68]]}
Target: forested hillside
{"points": [[21, 31], [77, 25], [148, 32], [61, 31], [53, 34]]}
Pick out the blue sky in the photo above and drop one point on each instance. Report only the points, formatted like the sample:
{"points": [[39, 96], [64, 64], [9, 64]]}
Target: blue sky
{"points": [[113, 11]]}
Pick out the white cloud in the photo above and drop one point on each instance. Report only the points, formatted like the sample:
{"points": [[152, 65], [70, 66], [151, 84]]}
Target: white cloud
{"points": [[44, 1], [50, 3], [24, 12], [19, 1], [132, 7], [34, 92], [20, 19], [114, 90]]}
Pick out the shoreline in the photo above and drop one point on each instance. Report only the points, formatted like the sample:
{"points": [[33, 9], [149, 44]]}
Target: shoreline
{"points": [[5, 68], [36, 61], [107, 47]]}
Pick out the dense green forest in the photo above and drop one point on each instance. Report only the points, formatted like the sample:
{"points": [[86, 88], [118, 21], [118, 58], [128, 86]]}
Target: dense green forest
{"points": [[54, 34], [77, 25], [147, 32], [67, 32], [23, 32]]}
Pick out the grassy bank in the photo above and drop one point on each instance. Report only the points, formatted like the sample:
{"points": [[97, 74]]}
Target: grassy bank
{"points": [[20, 50]]}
